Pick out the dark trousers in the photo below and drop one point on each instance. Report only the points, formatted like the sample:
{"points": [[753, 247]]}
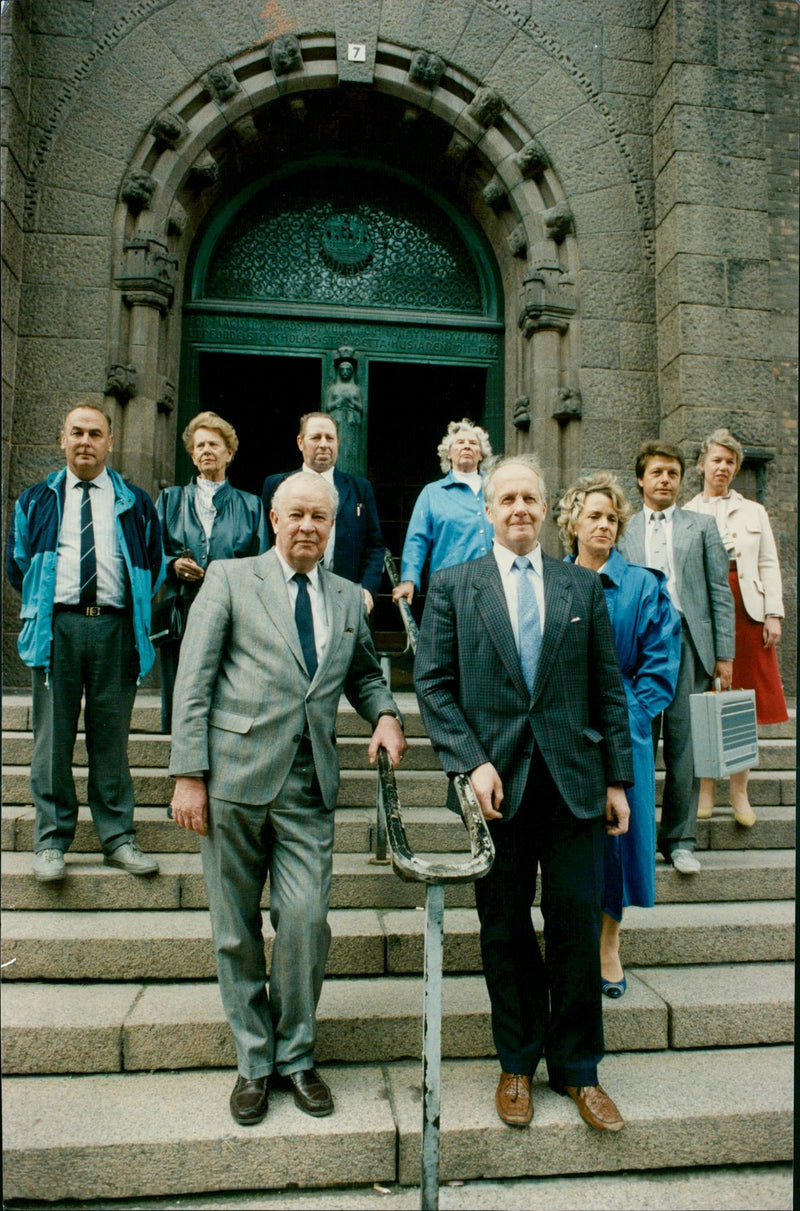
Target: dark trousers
{"points": [[547, 1006], [95, 656], [678, 826]]}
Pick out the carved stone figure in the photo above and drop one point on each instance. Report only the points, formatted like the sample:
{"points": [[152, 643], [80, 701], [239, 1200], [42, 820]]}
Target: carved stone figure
{"points": [[426, 68], [518, 241], [559, 221], [205, 170], [166, 397], [522, 412], [120, 382], [494, 194], [458, 148], [221, 81], [169, 128], [137, 189], [286, 54], [532, 159], [568, 404], [343, 397], [486, 106]]}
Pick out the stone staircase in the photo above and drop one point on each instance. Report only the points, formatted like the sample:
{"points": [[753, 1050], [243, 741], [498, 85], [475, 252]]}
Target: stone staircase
{"points": [[118, 1062]]}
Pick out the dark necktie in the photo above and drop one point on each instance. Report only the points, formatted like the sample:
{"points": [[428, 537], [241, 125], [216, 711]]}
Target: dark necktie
{"points": [[529, 621], [88, 568], [305, 622]]}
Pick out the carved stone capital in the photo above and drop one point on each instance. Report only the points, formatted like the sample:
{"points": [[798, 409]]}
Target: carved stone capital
{"points": [[547, 300], [518, 241], [148, 278], [522, 412], [559, 222], [166, 398], [567, 405], [120, 382], [494, 194], [297, 108], [486, 106], [221, 82], [205, 170], [426, 68], [176, 220], [245, 131], [285, 54], [137, 189], [169, 128], [532, 159]]}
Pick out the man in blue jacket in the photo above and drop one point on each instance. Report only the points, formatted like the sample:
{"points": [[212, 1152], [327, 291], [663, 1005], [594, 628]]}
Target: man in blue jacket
{"points": [[85, 551], [356, 547]]}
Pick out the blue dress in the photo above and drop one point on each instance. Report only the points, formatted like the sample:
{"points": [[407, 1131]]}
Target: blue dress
{"points": [[647, 631]]}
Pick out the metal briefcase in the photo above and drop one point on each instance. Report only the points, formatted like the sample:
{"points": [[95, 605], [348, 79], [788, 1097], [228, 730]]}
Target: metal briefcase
{"points": [[724, 732]]}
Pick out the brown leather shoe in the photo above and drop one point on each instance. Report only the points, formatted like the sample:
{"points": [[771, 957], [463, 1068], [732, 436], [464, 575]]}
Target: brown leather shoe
{"points": [[249, 1100], [596, 1107], [513, 1099], [311, 1093]]}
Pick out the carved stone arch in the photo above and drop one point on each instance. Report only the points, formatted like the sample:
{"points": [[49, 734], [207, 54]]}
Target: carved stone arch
{"points": [[505, 172]]}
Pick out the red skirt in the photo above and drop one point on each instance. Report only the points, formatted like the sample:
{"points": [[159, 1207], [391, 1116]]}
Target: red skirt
{"points": [[756, 667]]}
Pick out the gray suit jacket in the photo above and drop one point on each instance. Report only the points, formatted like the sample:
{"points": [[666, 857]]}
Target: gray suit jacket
{"points": [[243, 697], [701, 573], [474, 700]]}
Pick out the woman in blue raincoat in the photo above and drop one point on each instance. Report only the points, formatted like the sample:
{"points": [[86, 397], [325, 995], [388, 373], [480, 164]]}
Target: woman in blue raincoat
{"points": [[592, 517]]}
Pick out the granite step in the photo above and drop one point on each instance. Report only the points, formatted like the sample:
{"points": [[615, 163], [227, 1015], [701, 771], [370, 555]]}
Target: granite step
{"points": [[359, 883], [161, 1145], [429, 829], [176, 945], [357, 788], [150, 751], [69, 1028]]}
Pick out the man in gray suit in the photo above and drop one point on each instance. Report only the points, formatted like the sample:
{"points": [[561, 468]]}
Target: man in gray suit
{"points": [[271, 644], [519, 687], [688, 549]]}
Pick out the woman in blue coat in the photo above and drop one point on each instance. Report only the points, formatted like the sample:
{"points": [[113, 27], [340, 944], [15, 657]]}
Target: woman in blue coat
{"points": [[592, 517], [205, 520]]}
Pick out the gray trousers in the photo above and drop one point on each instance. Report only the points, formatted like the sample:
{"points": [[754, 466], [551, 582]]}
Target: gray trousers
{"points": [[96, 657], [678, 827], [291, 841]]}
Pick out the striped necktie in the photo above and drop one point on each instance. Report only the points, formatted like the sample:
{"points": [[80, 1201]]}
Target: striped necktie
{"points": [[659, 551], [88, 565], [529, 620]]}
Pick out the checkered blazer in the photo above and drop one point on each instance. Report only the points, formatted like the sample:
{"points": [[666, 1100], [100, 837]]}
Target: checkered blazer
{"points": [[476, 706]]}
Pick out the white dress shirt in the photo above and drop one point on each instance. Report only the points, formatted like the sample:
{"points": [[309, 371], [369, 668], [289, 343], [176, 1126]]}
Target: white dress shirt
{"points": [[327, 558], [110, 565], [667, 515], [317, 599], [508, 575]]}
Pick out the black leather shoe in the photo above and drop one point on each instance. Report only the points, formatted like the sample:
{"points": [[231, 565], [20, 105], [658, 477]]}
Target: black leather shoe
{"points": [[249, 1100], [311, 1093]]}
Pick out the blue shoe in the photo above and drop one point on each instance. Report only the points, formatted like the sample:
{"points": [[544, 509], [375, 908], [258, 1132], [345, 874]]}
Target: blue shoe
{"points": [[610, 989]]}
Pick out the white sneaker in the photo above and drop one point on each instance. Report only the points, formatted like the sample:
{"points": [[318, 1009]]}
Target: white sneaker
{"points": [[685, 862], [49, 865]]}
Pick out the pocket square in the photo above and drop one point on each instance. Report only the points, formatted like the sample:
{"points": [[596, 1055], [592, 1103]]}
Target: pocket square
{"points": [[577, 618]]}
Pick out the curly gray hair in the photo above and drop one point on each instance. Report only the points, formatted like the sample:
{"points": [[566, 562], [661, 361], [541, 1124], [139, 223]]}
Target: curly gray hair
{"points": [[721, 437], [571, 505], [453, 429]]}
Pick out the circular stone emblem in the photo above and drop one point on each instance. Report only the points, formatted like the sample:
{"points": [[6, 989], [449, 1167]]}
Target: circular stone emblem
{"points": [[346, 244]]}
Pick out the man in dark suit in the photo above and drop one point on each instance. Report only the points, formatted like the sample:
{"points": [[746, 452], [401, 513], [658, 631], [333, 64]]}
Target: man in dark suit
{"points": [[271, 644], [688, 549], [536, 715], [356, 547]]}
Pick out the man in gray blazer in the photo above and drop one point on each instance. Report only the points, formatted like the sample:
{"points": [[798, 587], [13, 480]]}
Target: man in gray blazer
{"points": [[519, 687], [688, 549], [270, 645]]}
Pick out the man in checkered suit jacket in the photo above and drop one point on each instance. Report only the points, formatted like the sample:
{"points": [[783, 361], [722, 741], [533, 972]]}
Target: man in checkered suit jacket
{"points": [[548, 760]]}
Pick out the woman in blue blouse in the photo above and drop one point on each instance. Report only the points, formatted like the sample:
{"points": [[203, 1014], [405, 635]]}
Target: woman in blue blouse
{"points": [[592, 517], [449, 521]]}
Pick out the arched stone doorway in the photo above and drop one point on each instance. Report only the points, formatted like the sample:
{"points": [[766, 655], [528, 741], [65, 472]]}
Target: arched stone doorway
{"points": [[343, 253]]}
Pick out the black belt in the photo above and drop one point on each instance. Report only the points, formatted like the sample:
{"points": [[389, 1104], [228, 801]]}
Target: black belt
{"points": [[90, 611]]}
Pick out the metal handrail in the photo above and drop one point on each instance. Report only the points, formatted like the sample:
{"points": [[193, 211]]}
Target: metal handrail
{"points": [[405, 862], [410, 626]]}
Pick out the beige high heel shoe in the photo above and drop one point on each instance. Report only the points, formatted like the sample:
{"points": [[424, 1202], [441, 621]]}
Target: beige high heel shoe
{"points": [[742, 811]]}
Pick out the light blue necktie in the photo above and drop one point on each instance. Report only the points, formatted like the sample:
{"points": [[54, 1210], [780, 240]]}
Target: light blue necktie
{"points": [[529, 621], [659, 550]]}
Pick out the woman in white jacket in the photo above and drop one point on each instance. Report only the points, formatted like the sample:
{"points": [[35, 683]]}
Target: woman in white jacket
{"points": [[755, 580]]}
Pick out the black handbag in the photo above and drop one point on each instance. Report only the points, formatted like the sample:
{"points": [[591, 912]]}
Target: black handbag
{"points": [[169, 620]]}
